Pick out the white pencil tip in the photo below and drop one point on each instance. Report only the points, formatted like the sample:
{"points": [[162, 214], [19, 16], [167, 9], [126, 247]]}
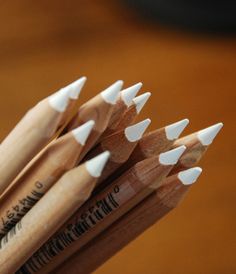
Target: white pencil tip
{"points": [[128, 94], [135, 132], [171, 157], [189, 176], [81, 133], [110, 94], [75, 88], [207, 135], [174, 130], [141, 100], [96, 165], [59, 100]]}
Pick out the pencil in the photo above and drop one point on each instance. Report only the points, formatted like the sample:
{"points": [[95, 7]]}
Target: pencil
{"points": [[99, 109], [155, 142], [75, 89], [197, 144], [124, 101], [131, 225], [61, 155], [120, 145], [30, 135], [60, 202], [129, 116], [102, 210]]}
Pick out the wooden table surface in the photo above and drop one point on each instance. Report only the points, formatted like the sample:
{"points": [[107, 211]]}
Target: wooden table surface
{"points": [[47, 44]]}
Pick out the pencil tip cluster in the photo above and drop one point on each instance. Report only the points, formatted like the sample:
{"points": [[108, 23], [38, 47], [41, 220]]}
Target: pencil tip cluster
{"points": [[111, 93], [96, 165], [207, 135], [171, 157], [128, 94], [173, 131], [189, 176]]}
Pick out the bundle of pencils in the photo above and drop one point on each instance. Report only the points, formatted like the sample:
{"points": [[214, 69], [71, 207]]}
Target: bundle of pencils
{"points": [[78, 184]]}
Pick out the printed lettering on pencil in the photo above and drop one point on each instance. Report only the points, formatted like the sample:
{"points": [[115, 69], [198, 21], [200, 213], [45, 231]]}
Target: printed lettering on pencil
{"points": [[14, 214], [82, 224]]}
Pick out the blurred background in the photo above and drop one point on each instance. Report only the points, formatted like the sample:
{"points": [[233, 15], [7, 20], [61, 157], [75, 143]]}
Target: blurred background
{"points": [[185, 54]]}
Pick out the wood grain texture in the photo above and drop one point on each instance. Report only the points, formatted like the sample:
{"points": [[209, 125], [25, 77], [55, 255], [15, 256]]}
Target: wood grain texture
{"points": [[48, 44]]}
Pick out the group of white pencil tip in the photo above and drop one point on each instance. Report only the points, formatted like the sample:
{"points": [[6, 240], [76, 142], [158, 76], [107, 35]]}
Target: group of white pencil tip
{"points": [[133, 133], [61, 99], [205, 136], [171, 157]]}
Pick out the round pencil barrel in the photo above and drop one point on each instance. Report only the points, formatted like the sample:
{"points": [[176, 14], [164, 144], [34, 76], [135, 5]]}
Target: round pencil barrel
{"points": [[120, 145], [106, 207], [60, 202], [131, 225], [30, 135], [99, 109], [59, 157]]}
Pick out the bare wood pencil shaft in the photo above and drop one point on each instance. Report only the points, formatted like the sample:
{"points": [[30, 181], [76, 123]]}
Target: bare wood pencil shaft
{"points": [[45, 218], [127, 119], [131, 113], [68, 114], [124, 101], [97, 110], [117, 112], [156, 142], [58, 157], [151, 144], [197, 144], [116, 117], [120, 145], [126, 229], [31, 134], [99, 213], [193, 154]]}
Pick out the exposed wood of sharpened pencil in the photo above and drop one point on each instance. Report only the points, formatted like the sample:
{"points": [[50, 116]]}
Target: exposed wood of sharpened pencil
{"points": [[30, 135], [61, 155], [132, 112], [60, 202], [120, 145], [103, 209], [99, 109], [131, 225], [124, 101], [73, 92], [196, 144]]}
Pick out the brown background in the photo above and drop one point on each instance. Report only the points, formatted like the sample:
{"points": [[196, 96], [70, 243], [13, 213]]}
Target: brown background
{"points": [[46, 44]]}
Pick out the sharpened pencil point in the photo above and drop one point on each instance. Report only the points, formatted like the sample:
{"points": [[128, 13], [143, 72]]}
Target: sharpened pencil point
{"points": [[141, 100], [59, 100], [81, 133], [189, 176], [171, 157], [96, 165], [135, 132], [174, 130], [207, 135], [110, 94], [75, 88], [128, 94]]}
